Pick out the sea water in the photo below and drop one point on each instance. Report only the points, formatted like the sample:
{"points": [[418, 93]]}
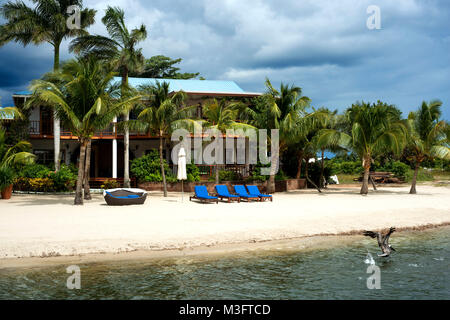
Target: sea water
{"points": [[418, 270]]}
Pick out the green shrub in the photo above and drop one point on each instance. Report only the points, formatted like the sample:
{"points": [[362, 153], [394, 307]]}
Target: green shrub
{"points": [[148, 169], [399, 169], [225, 175], [39, 178], [34, 185], [347, 167], [193, 173], [423, 175], [42, 185], [34, 171], [6, 177], [256, 173], [281, 176], [64, 180], [22, 184], [110, 184]]}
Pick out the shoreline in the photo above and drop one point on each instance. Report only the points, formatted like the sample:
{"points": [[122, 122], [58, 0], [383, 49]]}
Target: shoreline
{"points": [[278, 246], [38, 229]]}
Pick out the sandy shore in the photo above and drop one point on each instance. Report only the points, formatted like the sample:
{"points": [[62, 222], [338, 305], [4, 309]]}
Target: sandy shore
{"points": [[50, 226]]}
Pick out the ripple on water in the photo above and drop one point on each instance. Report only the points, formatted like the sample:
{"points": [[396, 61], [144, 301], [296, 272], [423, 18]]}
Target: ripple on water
{"points": [[339, 272]]}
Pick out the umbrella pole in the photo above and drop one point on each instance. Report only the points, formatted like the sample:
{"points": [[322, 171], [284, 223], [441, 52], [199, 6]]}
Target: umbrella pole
{"points": [[182, 191]]}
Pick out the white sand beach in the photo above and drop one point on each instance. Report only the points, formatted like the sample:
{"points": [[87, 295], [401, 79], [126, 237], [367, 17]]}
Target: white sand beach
{"points": [[49, 226]]}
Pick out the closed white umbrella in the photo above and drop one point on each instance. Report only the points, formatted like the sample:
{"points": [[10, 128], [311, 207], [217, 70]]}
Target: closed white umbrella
{"points": [[182, 174]]}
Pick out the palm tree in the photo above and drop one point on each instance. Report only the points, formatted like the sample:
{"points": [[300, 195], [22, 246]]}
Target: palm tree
{"points": [[45, 23], [120, 50], [374, 130], [222, 115], [428, 138], [328, 120], [161, 114], [17, 154], [80, 95], [280, 110]]}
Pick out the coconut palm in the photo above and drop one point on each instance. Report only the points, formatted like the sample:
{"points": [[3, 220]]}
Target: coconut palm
{"points": [[280, 109], [120, 50], [328, 120], [305, 140], [162, 113], [222, 115], [374, 130], [80, 95], [18, 154], [428, 136], [45, 23]]}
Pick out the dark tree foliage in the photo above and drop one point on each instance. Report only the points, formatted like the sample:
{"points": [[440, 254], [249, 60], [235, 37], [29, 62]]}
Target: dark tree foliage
{"points": [[162, 67]]}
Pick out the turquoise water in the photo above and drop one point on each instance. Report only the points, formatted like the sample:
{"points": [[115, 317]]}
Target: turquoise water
{"points": [[419, 270]]}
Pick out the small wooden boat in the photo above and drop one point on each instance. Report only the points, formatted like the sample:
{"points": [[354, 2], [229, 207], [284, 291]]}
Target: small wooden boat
{"points": [[125, 197]]}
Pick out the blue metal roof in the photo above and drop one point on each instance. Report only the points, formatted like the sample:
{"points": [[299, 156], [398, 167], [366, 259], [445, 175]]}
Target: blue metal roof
{"points": [[22, 93], [190, 86]]}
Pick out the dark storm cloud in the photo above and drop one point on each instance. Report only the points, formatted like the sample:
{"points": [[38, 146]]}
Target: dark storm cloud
{"points": [[323, 46]]}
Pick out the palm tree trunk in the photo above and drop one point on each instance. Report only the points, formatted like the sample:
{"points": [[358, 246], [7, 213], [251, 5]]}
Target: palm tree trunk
{"points": [[365, 185], [217, 174], [414, 180], [274, 164], [308, 179], [126, 164], [126, 138], [300, 162], [161, 161], [56, 140], [373, 183], [87, 168], [79, 188], [321, 184], [56, 121], [306, 171]]}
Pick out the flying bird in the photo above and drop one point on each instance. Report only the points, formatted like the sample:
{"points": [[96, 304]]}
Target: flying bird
{"points": [[383, 241]]}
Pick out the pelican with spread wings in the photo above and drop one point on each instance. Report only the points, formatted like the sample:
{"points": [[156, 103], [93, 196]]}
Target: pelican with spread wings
{"points": [[383, 241]]}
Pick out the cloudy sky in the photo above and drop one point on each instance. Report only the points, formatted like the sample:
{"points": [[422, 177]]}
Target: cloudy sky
{"points": [[322, 46]]}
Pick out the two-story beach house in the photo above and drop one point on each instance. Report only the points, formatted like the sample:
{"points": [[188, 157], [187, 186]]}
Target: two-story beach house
{"points": [[107, 147]]}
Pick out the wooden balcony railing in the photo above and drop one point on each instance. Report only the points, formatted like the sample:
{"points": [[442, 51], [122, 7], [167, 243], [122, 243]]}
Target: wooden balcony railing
{"points": [[44, 129]]}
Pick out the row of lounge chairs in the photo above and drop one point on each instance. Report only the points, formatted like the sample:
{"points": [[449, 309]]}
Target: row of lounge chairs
{"points": [[251, 193]]}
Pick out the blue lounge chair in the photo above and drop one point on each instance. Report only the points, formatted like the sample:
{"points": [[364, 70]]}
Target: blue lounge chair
{"points": [[223, 193], [242, 192], [201, 194], [254, 191]]}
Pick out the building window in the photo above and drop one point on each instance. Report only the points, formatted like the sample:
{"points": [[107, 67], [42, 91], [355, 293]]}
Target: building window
{"points": [[44, 157]]}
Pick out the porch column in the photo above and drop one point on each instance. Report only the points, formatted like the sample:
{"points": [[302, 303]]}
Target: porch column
{"points": [[114, 152]]}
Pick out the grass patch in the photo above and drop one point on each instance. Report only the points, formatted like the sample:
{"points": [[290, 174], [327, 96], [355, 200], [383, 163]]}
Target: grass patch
{"points": [[441, 175], [422, 176], [347, 178]]}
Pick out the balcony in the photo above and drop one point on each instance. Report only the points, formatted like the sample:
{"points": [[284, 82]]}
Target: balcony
{"points": [[44, 130]]}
